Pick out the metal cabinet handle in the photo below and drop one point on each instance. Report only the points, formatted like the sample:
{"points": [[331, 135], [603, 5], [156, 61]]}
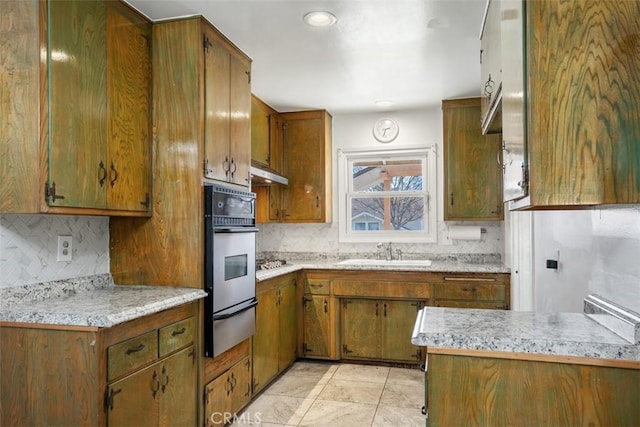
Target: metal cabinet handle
{"points": [[155, 384], [165, 378], [115, 173], [103, 174], [178, 332], [326, 306], [132, 350]]}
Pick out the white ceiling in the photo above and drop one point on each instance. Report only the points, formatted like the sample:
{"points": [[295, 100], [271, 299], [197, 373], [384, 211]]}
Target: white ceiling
{"points": [[412, 52]]}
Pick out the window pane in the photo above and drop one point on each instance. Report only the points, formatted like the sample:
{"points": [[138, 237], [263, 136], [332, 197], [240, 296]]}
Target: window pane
{"points": [[387, 175], [388, 213]]}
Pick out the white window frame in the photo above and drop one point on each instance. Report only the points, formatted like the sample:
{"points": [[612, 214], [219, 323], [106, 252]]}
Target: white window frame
{"points": [[346, 193]]}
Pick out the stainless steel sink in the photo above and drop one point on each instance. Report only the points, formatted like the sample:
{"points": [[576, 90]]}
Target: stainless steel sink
{"points": [[385, 263]]}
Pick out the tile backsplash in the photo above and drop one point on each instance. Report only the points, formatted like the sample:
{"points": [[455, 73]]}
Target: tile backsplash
{"points": [[28, 245]]}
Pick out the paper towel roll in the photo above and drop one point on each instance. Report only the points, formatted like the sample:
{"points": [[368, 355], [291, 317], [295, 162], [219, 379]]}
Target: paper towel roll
{"points": [[464, 232]]}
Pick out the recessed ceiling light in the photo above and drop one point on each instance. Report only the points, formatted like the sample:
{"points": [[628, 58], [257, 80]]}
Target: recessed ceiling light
{"points": [[384, 103], [320, 19]]}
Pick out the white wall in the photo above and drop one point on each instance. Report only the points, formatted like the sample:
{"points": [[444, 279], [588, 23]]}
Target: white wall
{"points": [[28, 248], [418, 129], [599, 253]]}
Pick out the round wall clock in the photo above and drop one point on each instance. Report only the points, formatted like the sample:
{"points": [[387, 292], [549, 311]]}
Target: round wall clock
{"points": [[385, 130]]}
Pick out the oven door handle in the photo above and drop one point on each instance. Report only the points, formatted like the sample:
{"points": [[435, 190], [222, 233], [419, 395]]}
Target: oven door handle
{"points": [[235, 230], [240, 310]]}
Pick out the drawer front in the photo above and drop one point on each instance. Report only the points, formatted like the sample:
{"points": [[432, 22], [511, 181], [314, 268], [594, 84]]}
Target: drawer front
{"points": [[382, 289], [129, 355], [494, 305], [318, 287], [177, 335], [472, 290]]}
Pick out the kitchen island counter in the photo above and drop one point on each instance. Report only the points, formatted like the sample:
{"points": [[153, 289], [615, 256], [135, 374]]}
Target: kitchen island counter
{"points": [[94, 301], [529, 333]]}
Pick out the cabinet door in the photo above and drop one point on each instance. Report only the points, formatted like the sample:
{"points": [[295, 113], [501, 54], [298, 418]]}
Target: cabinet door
{"points": [[179, 390], [240, 121], [361, 328], [260, 152], [265, 359], [398, 319], [77, 81], [128, 160], [217, 401], [240, 380], [473, 175], [318, 333], [303, 158], [216, 119], [288, 326], [135, 400]]}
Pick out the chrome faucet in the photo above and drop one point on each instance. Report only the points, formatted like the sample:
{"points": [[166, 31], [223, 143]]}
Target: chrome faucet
{"points": [[388, 252]]}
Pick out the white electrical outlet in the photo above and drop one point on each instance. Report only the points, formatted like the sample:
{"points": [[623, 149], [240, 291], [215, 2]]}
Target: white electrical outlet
{"points": [[64, 248]]}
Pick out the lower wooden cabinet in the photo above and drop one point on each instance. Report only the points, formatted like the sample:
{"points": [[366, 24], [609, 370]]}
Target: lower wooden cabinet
{"points": [[228, 393], [161, 394], [143, 372], [274, 343], [482, 390], [379, 329], [463, 290], [319, 329]]}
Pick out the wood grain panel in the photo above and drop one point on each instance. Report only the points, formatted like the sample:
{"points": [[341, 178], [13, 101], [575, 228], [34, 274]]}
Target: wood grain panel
{"points": [[179, 404], [361, 330], [77, 102], [37, 389], [240, 120], [131, 354], [214, 367], [265, 358], [500, 392], [381, 288], [167, 248], [19, 107], [584, 91], [129, 97], [473, 176], [260, 113]]}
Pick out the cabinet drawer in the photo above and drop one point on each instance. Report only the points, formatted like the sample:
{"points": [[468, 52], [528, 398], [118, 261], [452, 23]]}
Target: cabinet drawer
{"points": [[177, 335], [130, 354], [493, 305], [318, 287], [381, 289], [469, 290]]}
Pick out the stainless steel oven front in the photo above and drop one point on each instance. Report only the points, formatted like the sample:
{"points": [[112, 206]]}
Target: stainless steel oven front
{"points": [[229, 267]]}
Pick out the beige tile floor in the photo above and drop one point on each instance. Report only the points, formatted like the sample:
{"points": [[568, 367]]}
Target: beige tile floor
{"points": [[339, 394]]}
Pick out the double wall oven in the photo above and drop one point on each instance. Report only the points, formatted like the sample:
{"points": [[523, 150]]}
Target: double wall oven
{"points": [[229, 267]]}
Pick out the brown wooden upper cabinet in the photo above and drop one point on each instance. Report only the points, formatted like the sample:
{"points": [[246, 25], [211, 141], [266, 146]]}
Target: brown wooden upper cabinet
{"points": [[90, 153], [571, 126], [472, 171], [491, 69], [227, 133], [306, 162], [266, 143]]}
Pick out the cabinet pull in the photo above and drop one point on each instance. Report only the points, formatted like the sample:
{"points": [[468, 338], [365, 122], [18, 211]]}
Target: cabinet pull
{"points": [[134, 349], [155, 384], [317, 201], [103, 174], [473, 289], [165, 378], [235, 167], [192, 355], [178, 332], [384, 310], [451, 203], [233, 381], [326, 306], [377, 309], [226, 166], [488, 87], [115, 173], [110, 397], [228, 388]]}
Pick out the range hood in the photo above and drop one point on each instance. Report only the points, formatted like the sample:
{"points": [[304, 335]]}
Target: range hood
{"points": [[261, 175]]}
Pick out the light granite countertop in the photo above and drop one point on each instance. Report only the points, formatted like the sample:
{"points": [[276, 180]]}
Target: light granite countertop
{"points": [[436, 266], [559, 334], [93, 301]]}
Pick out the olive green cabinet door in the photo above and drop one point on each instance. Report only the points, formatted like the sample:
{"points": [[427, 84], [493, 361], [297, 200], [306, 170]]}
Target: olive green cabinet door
{"points": [[216, 401], [473, 174], [77, 79], [128, 160], [240, 121], [240, 381], [288, 325], [318, 335], [265, 357], [398, 319], [260, 152], [135, 400], [216, 129], [179, 390], [360, 320]]}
